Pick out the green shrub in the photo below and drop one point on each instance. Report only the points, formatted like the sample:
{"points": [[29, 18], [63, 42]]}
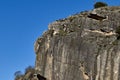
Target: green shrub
{"points": [[28, 74], [18, 75], [29, 69], [100, 4]]}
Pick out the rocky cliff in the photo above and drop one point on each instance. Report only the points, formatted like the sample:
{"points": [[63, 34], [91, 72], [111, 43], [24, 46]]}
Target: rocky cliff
{"points": [[84, 46]]}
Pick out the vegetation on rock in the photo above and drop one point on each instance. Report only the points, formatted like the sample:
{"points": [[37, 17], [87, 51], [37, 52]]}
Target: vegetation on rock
{"points": [[100, 4], [29, 73], [18, 75]]}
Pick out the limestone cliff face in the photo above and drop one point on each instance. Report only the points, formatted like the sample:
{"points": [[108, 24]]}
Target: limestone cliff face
{"points": [[81, 47]]}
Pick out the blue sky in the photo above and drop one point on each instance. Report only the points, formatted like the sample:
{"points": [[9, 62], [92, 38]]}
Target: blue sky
{"points": [[23, 21]]}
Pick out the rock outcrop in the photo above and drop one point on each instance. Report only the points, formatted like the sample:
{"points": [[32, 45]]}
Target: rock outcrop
{"points": [[81, 47]]}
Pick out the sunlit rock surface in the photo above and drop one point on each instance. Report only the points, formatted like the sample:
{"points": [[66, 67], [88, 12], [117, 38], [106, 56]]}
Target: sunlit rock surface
{"points": [[81, 48]]}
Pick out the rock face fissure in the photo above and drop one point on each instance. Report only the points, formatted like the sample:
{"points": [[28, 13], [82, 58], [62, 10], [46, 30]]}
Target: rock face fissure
{"points": [[81, 48]]}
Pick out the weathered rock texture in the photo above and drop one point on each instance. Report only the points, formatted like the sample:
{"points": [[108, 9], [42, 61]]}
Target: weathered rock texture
{"points": [[81, 48]]}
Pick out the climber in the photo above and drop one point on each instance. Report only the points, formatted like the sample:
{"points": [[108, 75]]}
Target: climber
{"points": [[39, 77]]}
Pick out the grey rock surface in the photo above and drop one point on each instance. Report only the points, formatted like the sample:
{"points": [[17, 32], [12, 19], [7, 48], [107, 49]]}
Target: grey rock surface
{"points": [[81, 48]]}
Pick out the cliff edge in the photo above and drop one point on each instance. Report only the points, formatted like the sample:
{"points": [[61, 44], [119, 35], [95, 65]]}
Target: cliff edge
{"points": [[83, 46]]}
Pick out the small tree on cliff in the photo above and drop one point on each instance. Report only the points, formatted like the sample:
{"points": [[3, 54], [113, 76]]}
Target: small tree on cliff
{"points": [[100, 4], [29, 69], [18, 75]]}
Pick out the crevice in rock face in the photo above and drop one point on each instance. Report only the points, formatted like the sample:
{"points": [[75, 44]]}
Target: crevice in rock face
{"points": [[96, 17], [39, 77], [101, 32]]}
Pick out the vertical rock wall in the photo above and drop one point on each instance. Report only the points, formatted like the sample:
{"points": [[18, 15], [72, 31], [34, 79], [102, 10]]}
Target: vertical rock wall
{"points": [[81, 48]]}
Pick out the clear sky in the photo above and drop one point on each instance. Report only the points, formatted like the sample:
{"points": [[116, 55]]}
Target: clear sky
{"points": [[23, 21]]}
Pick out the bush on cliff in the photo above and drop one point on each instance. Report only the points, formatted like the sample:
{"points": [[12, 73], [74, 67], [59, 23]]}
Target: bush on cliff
{"points": [[100, 4], [18, 75], [28, 74]]}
